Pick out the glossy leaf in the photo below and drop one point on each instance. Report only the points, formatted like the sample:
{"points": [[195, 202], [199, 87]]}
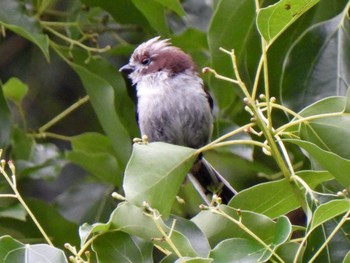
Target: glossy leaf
{"points": [[45, 162], [6, 123], [190, 230], [86, 202], [232, 27], [323, 10], [8, 244], [317, 65], [92, 142], [173, 5], [14, 251], [288, 251], [86, 230], [134, 221], [327, 132], [94, 152], [14, 17], [328, 211], [155, 14], [16, 211], [347, 258], [237, 250], [23, 145], [45, 213], [119, 247], [273, 20], [155, 173], [101, 165], [278, 196], [122, 11], [283, 230], [336, 248], [217, 227], [100, 82], [332, 162], [15, 90]]}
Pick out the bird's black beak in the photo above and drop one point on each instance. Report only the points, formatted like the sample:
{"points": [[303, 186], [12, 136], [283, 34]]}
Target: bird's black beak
{"points": [[127, 69]]}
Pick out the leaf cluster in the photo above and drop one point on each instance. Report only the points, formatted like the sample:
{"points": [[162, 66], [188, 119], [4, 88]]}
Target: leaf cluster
{"points": [[279, 72]]}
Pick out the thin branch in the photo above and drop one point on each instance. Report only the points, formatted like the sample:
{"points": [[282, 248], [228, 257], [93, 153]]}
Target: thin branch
{"points": [[64, 114]]}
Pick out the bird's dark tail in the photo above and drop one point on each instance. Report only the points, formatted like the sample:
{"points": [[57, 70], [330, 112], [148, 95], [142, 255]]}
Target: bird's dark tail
{"points": [[208, 181]]}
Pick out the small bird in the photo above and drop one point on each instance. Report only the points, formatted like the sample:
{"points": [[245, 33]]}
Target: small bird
{"points": [[174, 107]]}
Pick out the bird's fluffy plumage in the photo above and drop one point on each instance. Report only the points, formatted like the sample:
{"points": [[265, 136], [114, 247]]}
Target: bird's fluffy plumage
{"points": [[173, 106]]}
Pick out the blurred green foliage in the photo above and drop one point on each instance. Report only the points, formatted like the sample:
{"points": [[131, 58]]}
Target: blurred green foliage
{"points": [[67, 120]]}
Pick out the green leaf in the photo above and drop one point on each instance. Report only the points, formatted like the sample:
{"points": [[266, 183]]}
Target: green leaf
{"points": [[155, 173], [190, 40], [328, 211], [108, 98], [8, 244], [16, 211], [288, 251], [86, 202], [279, 197], [237, 250], [50, 219], [14, 17], [332, 162], [316, 66], [92, 142], [86, 230], [135, 221], [347, 102], [119, 247], [155, 14], [14, 251], [173, 5], [102, 97], [45, 162], [273, 20], [217, 227], [94, 152], [283, 230], [6, 123], [23, 145], [15, 90], [232, 27], [337, 247], [326, 132], [191, 231], [122, 11], [347, 258]]}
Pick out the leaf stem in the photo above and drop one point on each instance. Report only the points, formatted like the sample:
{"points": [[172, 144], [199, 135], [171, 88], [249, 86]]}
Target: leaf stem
{"points": [[342, 221], [225, 136], [17, 195], [73, 42], [257, 77], [217, 210], [235, 69], [64, 114], [240, 142], [44, 135], [8, 196], [305, 119], [166, 236]]}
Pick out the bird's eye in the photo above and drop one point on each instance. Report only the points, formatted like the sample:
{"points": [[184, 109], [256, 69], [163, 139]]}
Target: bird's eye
{"points": [[145, 61]]}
